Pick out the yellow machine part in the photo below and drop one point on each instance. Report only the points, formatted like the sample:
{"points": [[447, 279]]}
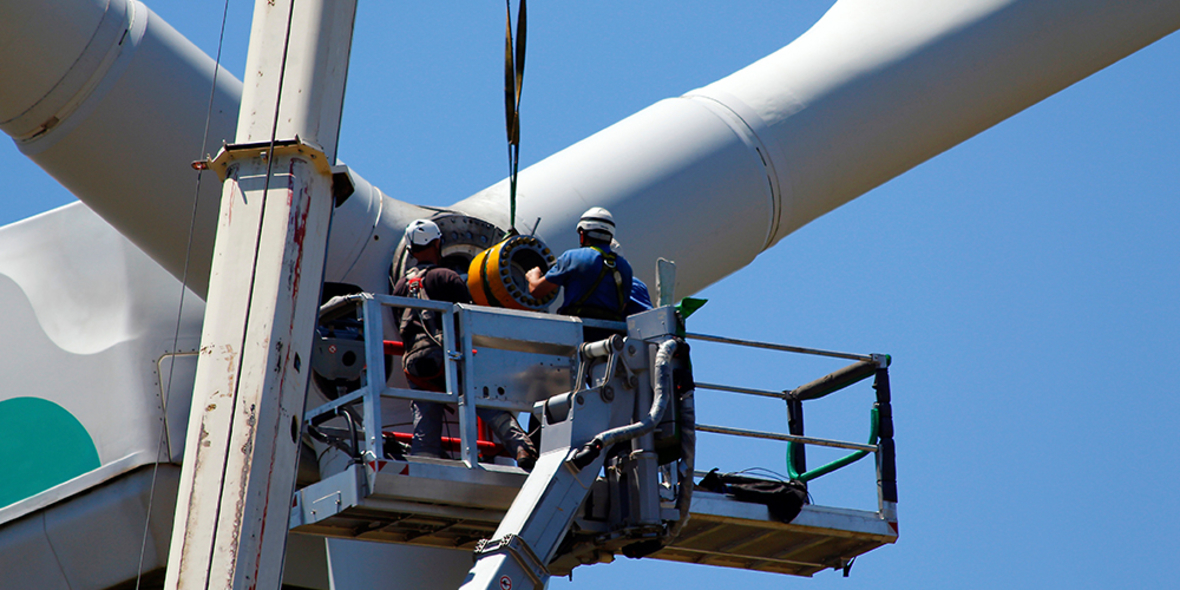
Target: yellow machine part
{"points": [[496, 275]]}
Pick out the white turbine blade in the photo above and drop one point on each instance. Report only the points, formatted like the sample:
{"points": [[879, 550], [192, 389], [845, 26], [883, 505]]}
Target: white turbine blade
{"points": [[116, 113], [714, 177], [710, 179], [876, 88]]}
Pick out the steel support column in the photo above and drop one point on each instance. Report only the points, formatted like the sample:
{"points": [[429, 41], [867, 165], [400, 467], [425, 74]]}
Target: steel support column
{"points": [[243, 440]]}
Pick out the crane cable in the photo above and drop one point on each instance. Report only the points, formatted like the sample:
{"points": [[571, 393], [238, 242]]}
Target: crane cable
{"points": [[513, 78], [180, 307]]}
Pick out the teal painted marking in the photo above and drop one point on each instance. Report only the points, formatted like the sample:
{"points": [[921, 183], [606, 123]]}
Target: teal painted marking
{"points": [[41, 445]]}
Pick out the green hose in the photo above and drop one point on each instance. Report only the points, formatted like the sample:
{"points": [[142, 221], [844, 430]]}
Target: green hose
{"points": [[838, 463]]}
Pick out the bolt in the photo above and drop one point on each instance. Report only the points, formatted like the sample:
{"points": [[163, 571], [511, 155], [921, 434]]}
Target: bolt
{"points": [[578, 398], [608, 393]]}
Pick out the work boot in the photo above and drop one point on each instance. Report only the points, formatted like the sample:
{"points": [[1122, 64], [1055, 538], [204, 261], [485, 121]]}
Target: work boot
{"points": [[512, 436], [526, 458]]}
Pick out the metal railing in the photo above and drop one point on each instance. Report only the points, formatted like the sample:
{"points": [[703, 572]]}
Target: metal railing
{"points": [[458, 318], [466, 330], [374, 387], [881, 423]]}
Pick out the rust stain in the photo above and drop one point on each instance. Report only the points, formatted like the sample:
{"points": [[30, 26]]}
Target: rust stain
{"points": [[231, 370], [280, 361], [243, 486], [270, 474], [299, 198], [203, 439], [194, 500], [230, 357]]}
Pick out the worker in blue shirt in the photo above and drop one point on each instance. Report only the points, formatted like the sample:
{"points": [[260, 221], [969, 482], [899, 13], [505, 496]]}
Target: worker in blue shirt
{"points": [[597, 281]]}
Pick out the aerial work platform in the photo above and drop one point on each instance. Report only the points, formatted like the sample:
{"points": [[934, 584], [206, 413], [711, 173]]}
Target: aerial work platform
{"points": [[531, 358], [724, 532], [404, 507]]}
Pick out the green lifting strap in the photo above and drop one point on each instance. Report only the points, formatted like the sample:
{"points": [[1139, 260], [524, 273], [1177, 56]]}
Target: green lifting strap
{"points": [[838, 463]]}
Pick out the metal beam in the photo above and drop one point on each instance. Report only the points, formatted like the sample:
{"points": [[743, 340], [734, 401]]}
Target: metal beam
{"points": [[243, 440]]}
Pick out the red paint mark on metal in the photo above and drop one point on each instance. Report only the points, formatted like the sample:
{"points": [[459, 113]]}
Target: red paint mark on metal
{"points": [[298, 224], [266, 502], [298, 210], [296, 227]]}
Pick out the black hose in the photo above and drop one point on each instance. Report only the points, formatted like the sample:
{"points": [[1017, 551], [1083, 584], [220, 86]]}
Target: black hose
{"points": [[356, 445]]}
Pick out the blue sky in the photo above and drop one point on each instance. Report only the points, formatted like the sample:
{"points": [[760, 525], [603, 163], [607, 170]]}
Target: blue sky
{"points": [[1025, 282]]}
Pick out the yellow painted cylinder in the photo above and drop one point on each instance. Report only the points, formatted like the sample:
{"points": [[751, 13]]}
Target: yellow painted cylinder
{"points": [[496, 277]]}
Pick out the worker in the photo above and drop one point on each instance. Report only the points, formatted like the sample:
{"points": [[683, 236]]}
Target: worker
{"points": [[597, 281], [423, 362], [640, 298]]}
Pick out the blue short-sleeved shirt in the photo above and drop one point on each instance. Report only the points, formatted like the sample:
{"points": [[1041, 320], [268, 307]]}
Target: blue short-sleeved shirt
{"points": [[576, 270]]}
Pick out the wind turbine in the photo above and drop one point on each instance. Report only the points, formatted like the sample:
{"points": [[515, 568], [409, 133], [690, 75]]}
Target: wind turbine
{"points": [[862, 79]]}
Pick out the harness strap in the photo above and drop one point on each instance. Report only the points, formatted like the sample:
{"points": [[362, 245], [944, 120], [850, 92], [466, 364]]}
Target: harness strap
{"points": [[426, 317], [608, 263]]}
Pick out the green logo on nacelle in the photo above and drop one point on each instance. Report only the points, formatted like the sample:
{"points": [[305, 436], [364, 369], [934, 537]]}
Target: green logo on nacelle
{"points": [[41, 445]]}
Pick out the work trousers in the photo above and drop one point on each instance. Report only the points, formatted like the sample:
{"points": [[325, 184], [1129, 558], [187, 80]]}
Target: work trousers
{"points": [[428, 422]]}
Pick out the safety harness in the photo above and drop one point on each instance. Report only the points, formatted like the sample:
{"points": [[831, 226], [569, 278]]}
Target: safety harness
{"points": [[579, 307], [430, 335]]}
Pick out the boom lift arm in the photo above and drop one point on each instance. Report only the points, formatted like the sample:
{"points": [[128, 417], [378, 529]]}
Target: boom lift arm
{"points": [[611, 421]]}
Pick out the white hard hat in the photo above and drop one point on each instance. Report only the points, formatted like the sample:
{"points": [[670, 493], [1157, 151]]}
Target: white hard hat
{"points": [[421, 232], [597, 223]]}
